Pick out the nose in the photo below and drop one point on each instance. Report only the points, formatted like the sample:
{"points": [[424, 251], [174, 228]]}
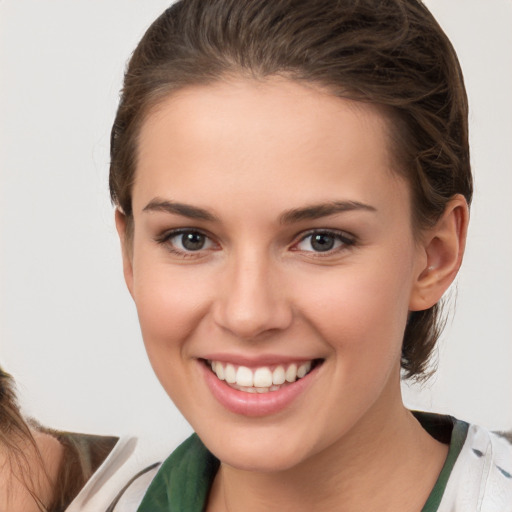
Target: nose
{"points": [[252, 300]]}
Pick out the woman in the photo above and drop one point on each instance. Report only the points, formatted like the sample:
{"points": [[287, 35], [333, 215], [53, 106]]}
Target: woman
{"points": [[49, 471], [29, 459], [292, 184]]}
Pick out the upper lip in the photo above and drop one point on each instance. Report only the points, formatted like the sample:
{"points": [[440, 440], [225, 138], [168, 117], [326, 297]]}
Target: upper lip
{"points": [[257, 361]]}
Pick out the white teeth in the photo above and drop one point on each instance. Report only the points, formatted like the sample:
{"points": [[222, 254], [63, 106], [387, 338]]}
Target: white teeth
{"points": [[278, 376], [263, 378], [244, 377], [229, 373], [291, 373], [303, 369], [246, 389], [219, 370]]}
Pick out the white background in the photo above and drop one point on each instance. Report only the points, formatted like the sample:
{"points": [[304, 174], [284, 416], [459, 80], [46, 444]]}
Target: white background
{"points": [[68, 328]]}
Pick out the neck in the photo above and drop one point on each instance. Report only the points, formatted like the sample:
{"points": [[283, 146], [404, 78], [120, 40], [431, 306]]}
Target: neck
{"points": [[29, 473], [373, 468]]}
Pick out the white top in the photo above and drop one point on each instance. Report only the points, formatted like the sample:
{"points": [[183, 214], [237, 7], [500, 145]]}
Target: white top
{"points": [[101, 492], [481, 479]]}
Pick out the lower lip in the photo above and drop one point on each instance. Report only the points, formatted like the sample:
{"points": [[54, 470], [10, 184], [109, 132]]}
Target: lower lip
{"points": [[255, 404]]}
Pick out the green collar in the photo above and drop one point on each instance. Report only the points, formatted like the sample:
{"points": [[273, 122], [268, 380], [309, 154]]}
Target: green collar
{"points": [[437, 426], [185, 478]]}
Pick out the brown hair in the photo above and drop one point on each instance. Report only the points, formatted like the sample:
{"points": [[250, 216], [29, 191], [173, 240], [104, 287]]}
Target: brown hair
{"points": [[388, 52], [16, 438], [20, 448]]}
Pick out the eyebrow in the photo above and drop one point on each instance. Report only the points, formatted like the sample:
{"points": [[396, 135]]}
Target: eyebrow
{"points": [[185, 210], [311, 212], [318, 211]]}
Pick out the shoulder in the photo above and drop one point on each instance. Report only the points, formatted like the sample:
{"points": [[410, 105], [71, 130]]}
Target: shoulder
{"points": [[130, 496], [28, 466], [181, 482], [102, 488], [481, 478]]}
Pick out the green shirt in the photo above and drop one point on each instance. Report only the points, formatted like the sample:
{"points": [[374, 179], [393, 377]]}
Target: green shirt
{"points": [[183, 482]]}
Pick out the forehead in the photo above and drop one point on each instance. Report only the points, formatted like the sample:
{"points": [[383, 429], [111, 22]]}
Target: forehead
{"points": [[295, 140]]}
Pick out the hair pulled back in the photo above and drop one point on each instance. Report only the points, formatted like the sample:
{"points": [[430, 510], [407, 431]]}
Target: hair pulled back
{"points": [[390, 53]]}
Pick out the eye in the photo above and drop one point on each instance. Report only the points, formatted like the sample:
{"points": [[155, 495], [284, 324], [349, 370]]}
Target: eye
{"points": [[185, 241], [323, 242]]}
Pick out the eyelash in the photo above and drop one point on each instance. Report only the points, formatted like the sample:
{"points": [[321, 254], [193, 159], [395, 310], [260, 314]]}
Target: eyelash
{"points": [[345, 241], [165, 239]]}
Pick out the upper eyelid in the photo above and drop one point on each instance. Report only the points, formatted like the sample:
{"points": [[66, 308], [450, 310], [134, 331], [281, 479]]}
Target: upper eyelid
{"points": [[335, 232], [170, 233], [164, 238], [347, 240], [166, 235]]}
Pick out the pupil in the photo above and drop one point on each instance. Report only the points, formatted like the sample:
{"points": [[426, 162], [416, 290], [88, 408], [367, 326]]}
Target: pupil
{"points": [[192, 241], [322, 243]]}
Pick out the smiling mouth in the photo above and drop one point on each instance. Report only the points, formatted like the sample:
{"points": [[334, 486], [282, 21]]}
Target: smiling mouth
{"points": [[263, 379]]}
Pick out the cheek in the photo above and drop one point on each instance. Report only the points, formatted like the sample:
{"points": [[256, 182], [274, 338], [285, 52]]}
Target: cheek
{"points": [[170, 302], [359, 311]]}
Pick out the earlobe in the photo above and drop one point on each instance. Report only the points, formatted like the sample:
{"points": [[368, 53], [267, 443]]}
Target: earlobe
{"points": [[121, 226], [443, 248]]}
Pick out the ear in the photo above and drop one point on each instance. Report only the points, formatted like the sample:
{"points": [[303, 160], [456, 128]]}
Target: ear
{"points": [[126, 249], [442, 250]]}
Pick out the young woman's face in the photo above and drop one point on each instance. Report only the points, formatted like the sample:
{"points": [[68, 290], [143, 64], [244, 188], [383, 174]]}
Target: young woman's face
{"points": [[272, 238]]}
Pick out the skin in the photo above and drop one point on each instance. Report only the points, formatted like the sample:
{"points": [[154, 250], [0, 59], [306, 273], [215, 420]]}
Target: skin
{"points": [[249, 153], [39, 474]]}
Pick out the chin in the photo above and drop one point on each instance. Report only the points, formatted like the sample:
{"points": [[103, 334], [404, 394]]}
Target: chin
{"points": [[260, 462], [258, 450]]}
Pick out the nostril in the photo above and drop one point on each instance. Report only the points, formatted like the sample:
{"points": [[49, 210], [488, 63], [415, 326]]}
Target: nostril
{"points": [[252, 321], [249, 301]]}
